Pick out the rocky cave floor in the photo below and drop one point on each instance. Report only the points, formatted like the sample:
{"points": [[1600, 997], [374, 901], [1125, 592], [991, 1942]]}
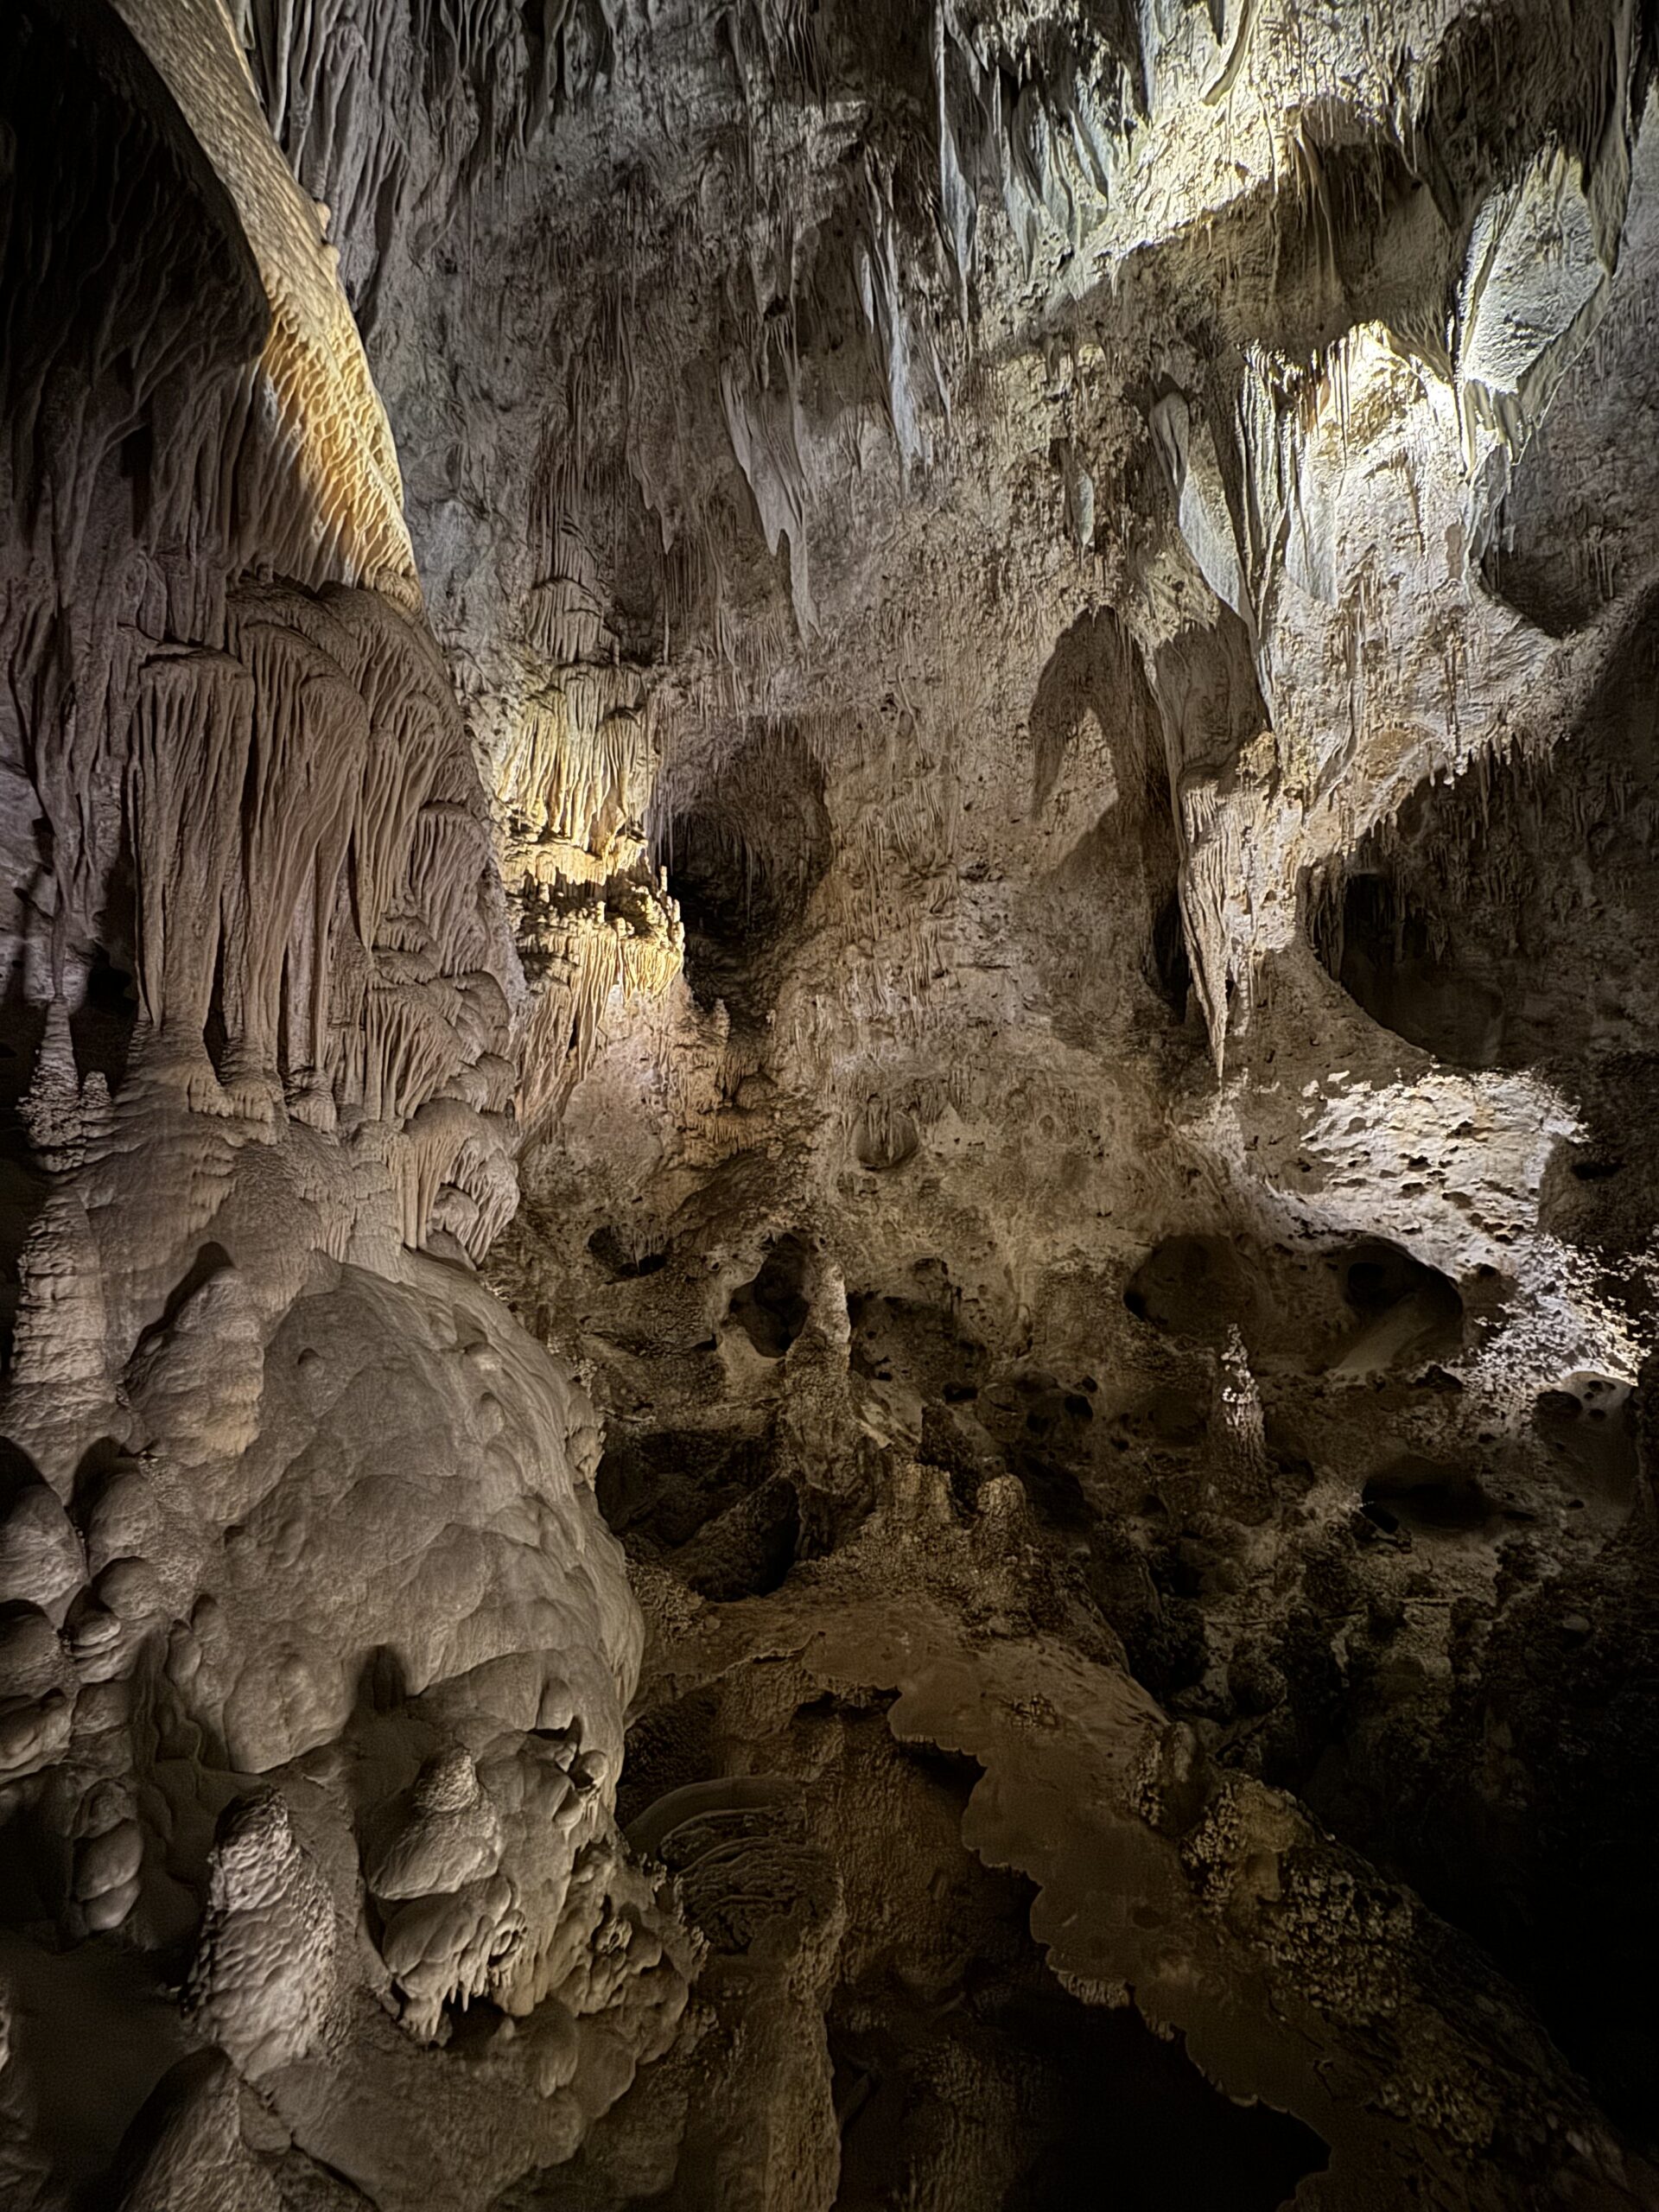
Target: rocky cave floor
{"points": [[1253, 1478]]}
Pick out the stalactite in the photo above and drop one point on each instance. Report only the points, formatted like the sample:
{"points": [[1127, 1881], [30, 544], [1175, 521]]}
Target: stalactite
{"points": [[310, 732], [783, 388], [191, 745]]}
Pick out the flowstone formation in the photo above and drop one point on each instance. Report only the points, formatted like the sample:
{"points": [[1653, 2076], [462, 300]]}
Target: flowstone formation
{"points": [[830, 1182], [315, 1648]]}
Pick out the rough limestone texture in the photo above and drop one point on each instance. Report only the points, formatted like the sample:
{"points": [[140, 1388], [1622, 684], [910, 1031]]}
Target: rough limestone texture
{"points": [[828, 1169]]}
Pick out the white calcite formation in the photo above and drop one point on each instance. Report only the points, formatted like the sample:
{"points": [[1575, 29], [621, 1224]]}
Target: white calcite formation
{"points": [[830, 1176], [296, 1518]]}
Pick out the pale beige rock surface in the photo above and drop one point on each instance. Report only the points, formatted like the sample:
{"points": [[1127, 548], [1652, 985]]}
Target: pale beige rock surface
{"points": [[829, 1166]]}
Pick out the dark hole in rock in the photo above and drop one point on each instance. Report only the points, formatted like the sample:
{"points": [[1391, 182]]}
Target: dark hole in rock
{"points": [[1098, 2095], [137, 459], [1170, 964], [1366, 1286], [1551, 1868], [1144, 1593], [1388, 957], [772, 1309], [1035, 1407], [1421, 1495], [1377, 1275], [666, 1486], [103, 1024], [623, 1255], [1032, 1402], [668, 1746], [919, 1340], [96, 2037], [1191, 1287], [1056, 1495], [743, 851], [1548, 593], [1436, 1378], [749, 1549], [887, 1138], [1408, 1312], [1167, 1648], [22, 1189], [215, 1033], [1597, 1171], [964, 1449]]}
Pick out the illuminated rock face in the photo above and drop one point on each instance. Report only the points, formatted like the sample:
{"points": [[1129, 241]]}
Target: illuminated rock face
{"points": [[317, 1648], [830, 918]]}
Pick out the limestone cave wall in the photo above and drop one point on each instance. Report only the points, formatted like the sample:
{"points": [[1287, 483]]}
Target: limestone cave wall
{"points": [[829, 1167]]}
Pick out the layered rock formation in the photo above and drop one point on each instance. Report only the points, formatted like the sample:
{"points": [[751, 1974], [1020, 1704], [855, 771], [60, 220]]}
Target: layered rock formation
{"points": [[829, 855]]}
